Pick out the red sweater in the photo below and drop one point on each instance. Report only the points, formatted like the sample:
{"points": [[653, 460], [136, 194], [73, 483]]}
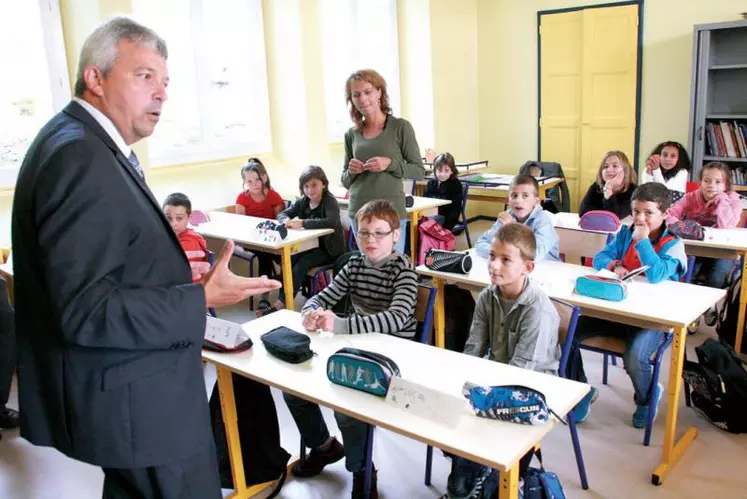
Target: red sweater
{"points": [[193, 243], [262, 209]]}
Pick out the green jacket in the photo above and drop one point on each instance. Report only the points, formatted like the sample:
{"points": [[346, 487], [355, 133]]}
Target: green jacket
{"points": [[396, 141]]}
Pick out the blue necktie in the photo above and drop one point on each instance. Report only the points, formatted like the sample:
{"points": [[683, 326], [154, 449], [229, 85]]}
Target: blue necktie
{"points": [[136, 164]]}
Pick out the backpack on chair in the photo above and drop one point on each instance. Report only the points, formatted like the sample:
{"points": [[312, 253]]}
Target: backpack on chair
{"points": [[433, 236]]}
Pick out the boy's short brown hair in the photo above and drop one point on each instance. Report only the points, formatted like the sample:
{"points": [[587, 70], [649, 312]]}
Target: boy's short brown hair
{"points": [[525, 180], [520, 236], [653, 192], [178, 199], [381, 209]]}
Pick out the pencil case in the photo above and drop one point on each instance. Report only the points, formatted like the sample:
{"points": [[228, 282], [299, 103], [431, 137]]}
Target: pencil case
{"points": [[601, 287], [363, 370]]}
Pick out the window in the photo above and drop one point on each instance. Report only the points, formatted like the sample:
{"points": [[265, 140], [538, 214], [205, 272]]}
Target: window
{"points": [[358, 34], [34, 83], [218, 104]]}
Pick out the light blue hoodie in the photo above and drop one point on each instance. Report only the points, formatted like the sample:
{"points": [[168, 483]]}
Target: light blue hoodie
{"points": [[544, 232]]}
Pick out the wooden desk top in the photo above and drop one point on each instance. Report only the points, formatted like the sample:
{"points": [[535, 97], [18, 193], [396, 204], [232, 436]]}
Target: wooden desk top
{"points": [[668, 303], [493, 443], [240, 228], [420, 203], [725, 239]]}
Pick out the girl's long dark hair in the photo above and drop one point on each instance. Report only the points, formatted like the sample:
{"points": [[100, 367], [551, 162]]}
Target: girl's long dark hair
{"points": [[683, 159]]}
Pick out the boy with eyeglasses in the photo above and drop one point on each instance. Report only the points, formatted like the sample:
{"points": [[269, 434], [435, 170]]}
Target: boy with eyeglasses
{"points": [[383, 289]]}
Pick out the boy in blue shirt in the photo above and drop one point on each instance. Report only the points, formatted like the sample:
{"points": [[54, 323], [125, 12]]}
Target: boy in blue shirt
{"points": [[646, 242], [524, 208]]}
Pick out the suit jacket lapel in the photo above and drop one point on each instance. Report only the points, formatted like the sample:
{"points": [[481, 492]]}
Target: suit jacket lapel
{"points": [[77, 111]]}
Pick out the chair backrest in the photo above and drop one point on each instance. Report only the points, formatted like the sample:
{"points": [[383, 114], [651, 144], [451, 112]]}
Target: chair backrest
{"points": [[566, 331], [688, 277], [352, 244], [424, 311], [198, 217], [692, 187], [465, 193]]}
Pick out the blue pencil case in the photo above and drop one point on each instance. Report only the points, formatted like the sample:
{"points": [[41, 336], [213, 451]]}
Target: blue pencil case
{"points": [[363, 370], [603, 288]]}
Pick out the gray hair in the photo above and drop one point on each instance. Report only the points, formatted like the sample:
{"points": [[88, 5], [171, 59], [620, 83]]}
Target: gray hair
{"points": [[101, 48]]}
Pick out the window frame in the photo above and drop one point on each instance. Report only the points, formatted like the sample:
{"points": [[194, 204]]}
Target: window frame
{"points": [[59, 75]]}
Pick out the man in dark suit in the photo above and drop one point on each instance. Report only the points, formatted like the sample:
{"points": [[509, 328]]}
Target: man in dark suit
{"points": [[109, 324]]}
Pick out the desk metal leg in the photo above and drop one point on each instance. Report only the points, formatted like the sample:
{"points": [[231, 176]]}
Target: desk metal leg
{"points": [[509, 486], [230, 421], [742, 304], [413, 235], [440, 313], [287, 277], [672, 451]]}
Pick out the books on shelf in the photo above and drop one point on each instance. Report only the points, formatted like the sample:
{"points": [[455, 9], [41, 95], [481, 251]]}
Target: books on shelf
{"points": [[739, 176], [726, 139]]}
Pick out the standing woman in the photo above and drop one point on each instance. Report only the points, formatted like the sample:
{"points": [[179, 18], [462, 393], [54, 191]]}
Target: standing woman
{"points": [[380, 150]]}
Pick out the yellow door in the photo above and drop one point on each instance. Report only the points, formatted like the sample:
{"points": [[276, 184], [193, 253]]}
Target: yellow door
{"points": [[561, 43], [598, 114]]}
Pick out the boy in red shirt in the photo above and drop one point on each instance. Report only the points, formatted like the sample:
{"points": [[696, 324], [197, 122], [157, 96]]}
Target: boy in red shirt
{"points": [[177, 209]]}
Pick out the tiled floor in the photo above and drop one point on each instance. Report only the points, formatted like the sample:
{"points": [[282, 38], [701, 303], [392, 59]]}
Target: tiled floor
{"points": [[618, 465]]}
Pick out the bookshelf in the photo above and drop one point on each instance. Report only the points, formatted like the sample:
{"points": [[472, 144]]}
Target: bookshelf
{"points": [[718, 98]]}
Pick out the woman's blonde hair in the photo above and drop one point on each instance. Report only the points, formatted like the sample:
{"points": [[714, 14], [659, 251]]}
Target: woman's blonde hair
{"points": [[630, 176], [375, 79]]}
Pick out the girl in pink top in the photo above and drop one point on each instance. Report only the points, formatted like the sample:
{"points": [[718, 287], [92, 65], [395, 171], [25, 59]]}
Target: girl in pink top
{"points": [[715, 204]]}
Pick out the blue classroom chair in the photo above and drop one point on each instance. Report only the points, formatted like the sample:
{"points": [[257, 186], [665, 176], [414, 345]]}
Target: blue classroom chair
{"points": [[462, 225]]}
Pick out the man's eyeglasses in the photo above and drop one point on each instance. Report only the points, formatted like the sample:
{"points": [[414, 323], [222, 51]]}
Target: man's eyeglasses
{"points": [[364, 235]]}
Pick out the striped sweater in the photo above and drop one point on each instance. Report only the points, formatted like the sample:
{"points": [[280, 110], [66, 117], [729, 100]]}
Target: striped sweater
{"points": [[383, 296]]}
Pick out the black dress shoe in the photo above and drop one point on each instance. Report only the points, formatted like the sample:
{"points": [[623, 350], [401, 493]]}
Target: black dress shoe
{"points": [[9, 418]]}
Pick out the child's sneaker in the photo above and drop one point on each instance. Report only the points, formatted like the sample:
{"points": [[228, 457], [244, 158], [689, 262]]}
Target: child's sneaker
{"points": [[641, 412], [583, 409]]}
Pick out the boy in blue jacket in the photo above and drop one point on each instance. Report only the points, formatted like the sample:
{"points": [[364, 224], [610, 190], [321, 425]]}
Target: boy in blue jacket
{"points": [[646, 242], [524, 208]]}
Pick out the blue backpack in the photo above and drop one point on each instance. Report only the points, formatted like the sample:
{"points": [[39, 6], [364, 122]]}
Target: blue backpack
{"points": [[537, 483]]}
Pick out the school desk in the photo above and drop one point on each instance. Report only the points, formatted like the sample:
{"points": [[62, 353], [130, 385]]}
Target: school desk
{"points": [[419, 207], [494, 187], [462, 170], [717, 243], [729, 244], [241, 229], [647, 305], [493, 443], [573, 240]]}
